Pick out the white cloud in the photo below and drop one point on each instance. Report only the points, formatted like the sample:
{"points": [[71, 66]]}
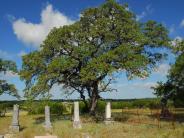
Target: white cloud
{"points": [[148, 10], [58, 92], [162, 69], [145, 85], [8, 75], [130, 90], [142, 15], [182, 23], [176, 40], [21, 53], [11, 56], [135, 85], [6, 55], [33, 34], [10, 17]]}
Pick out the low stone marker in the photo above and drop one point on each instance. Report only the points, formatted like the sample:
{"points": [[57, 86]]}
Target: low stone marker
{"points": [[15, 122], [45, 137], [48, 124], [1, 136], [108, 118], [76, 119]]}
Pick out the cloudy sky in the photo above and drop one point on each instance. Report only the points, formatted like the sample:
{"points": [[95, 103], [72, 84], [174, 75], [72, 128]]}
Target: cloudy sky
{"points": [[24, 24]]}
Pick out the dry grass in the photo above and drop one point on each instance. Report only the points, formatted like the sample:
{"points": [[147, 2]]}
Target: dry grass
{"points": [[32, 125]]}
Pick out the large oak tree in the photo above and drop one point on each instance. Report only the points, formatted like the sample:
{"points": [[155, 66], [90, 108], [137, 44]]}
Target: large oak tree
{"points": [[173, 88], [5, 87], [83, 57]]}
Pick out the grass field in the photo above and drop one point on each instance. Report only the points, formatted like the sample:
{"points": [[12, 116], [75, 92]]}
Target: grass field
{"points": [[130, 123]]}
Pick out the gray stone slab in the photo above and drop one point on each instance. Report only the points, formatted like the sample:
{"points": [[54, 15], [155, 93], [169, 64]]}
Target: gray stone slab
{"points": [[48, 124], [76, 118], [1, 136], [14, 128], [45, 137], [9, 136]]}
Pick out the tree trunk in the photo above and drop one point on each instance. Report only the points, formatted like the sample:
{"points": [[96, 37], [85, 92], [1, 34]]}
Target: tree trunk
{"points": [[94, 99], [85, 102], [86, 106], [93, 104]]}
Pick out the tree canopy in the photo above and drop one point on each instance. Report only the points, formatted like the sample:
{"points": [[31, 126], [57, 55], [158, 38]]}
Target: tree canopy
{"points": [[5, 87], [173, 88], [83, 57]]}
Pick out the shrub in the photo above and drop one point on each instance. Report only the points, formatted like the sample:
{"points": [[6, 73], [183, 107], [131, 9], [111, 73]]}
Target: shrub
{"points": [[100, 106], [38, 107], [3, 108]]}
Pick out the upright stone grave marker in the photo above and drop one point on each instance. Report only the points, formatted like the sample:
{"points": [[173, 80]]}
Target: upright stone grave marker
{"points": [[76, 119], [47, 118], [15, 122], [108, 118], [45, 137]]}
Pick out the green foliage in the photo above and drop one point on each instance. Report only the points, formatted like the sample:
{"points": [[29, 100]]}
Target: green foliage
{"points": [[5, 87], [7, 65], [82, 107], [85, 55], [101, 106], [173, 88], [137, 103], [178, 102], [38, 107], [4, 106]]}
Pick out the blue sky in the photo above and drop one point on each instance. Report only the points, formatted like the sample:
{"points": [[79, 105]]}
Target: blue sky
{"points": [[24, 24]]}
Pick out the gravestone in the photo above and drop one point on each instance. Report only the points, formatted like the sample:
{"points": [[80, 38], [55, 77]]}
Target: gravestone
{"points": [[48, 124], [15, 121], [76, 119], [45, 137], [108, 118], [1, 136]]}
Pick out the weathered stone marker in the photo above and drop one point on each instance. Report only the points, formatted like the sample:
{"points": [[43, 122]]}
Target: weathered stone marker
{"points": [[48, 124], [15, 121], [76, 119], [108, 118], [1, 136], [45, 137]]}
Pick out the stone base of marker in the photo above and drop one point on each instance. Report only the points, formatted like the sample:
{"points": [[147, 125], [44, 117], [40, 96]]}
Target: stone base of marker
{"points": [[108, 121], [77, 124], [48, 127], [45, 137], [14, 129]]}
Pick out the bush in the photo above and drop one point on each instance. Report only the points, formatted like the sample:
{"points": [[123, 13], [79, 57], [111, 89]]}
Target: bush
{"points": [[100, 106], [179, 103], [38, 107], [137, 103], [82, 107], [4, 106]]}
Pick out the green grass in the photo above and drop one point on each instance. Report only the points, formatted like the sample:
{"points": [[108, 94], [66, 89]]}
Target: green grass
{"points": [[127, 126]]}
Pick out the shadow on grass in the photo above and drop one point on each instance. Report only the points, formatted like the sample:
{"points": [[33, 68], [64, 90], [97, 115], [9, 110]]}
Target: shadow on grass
{"points": [[120, 117], [39, 120], [177, 117], [22, 128]]}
